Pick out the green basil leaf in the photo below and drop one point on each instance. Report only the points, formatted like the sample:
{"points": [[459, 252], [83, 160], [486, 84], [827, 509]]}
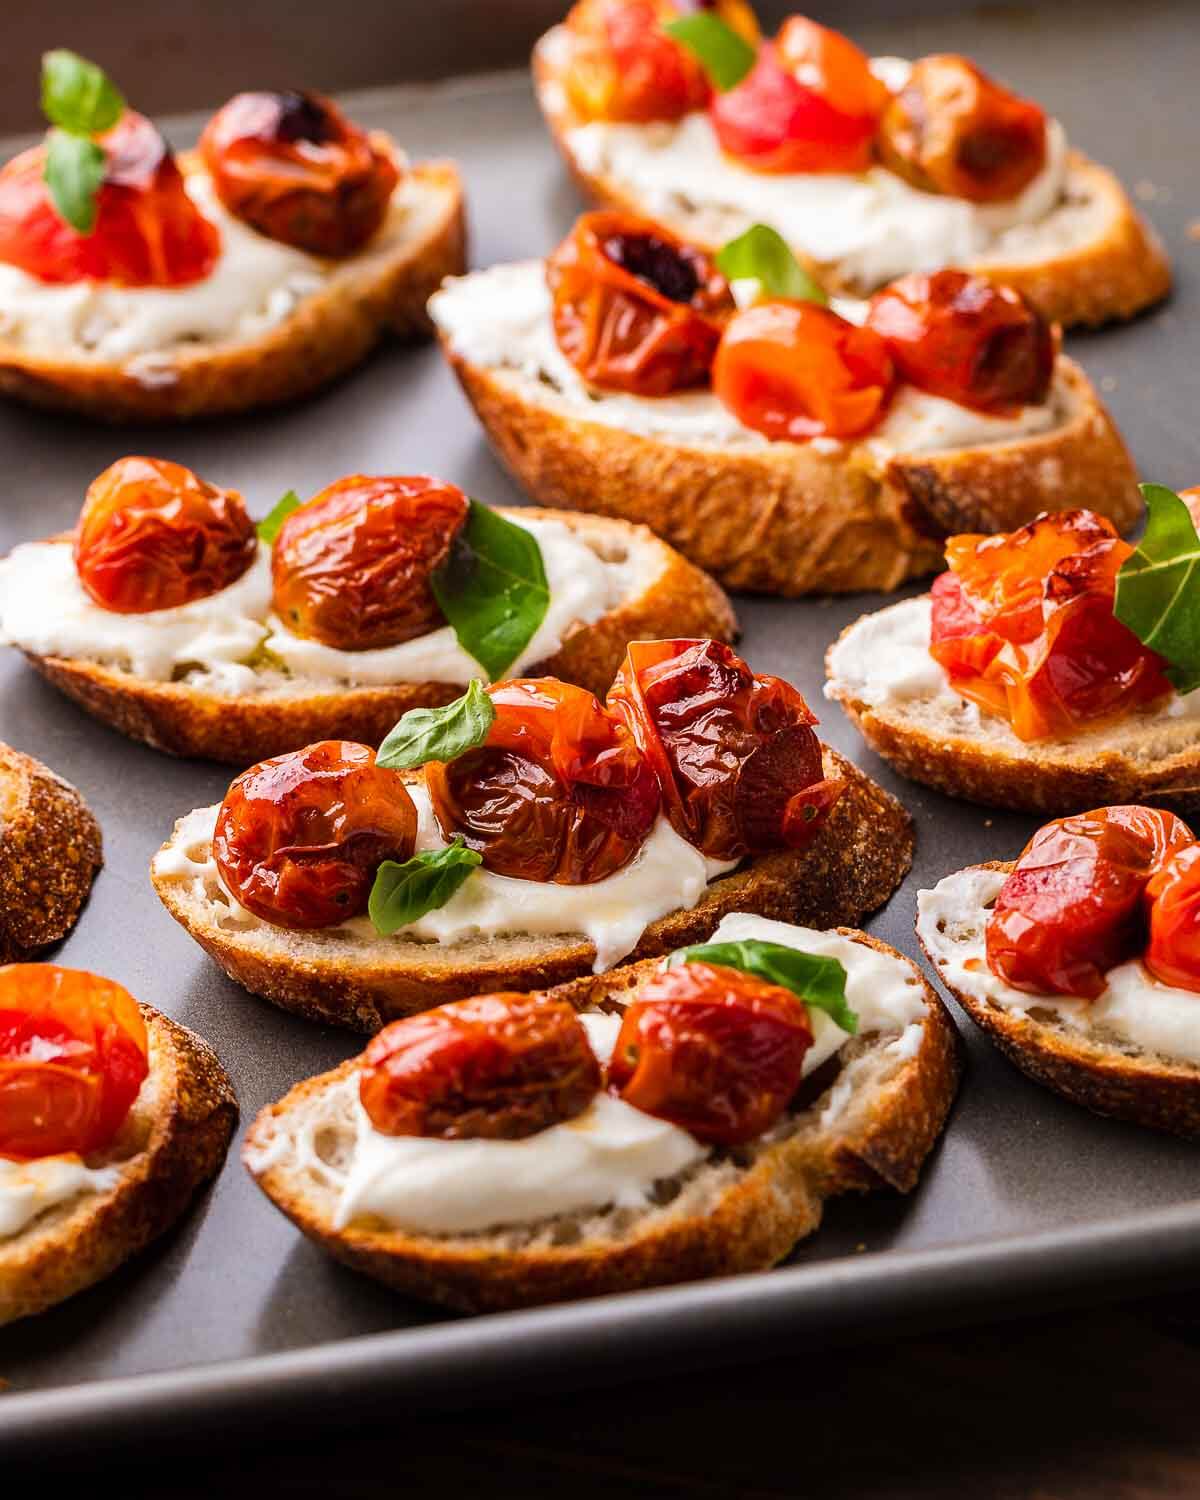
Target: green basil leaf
{"points": [[724, 55], [492, 589], [762, 255], [438, 733], [404, 892], [818, 981], [1158, 588], [77, 96], [74, 171], [269, 527]]}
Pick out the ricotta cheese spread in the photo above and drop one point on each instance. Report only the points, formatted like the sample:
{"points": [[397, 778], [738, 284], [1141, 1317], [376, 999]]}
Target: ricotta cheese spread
{"points": [[29, 1188]]}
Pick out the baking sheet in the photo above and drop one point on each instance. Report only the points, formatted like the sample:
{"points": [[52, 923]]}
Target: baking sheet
{"points": [[1026, 1196]]}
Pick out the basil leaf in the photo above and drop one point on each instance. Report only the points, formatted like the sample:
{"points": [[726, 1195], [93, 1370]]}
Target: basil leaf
{"points": [[404, 892], [762, 255], [269, 527], [1158, 588], [78, 96], [74, 171], [724, 55], [817, 981], [492, 589], [438, 733]]}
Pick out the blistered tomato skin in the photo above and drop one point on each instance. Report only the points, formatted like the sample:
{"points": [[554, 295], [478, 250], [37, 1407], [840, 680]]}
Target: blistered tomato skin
{"points": [[352, 568], [73, 1054], [558, 792], [299, 838], [966, 339], [1173, 952], [497, 1067], [712, 1050], [148, 232], [1075, 906], [292, 166], [153, 535], [635, 309]]}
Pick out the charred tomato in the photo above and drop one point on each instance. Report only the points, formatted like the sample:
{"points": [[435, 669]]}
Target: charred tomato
{"points": [[1173, 952]]}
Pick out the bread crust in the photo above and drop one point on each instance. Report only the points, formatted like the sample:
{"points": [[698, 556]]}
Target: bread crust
{"points": [[50, 852], [177, 1145], [184, 720], [381, 289], [850, 869]]}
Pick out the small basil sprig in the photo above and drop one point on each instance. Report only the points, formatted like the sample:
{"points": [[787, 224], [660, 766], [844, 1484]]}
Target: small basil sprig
{"points": [[438, 733], [402, 893], [1158, 588], [816, 980], [724, 55], [272, 523], [763, 255], [80, 101]]}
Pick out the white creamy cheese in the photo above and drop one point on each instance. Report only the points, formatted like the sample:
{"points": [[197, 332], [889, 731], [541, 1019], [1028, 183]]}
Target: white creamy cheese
{"points": [[29, 1188]]}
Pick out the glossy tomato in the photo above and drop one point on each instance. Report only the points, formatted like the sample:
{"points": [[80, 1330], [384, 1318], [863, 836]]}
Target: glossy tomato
{"points": [[153, 535], [498, 1067], [1173, 953], [299, 838], [148, 232], [352, 568], [73, 1054]]}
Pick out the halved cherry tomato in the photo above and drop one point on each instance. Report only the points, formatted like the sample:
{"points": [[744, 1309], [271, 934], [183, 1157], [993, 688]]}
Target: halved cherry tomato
{"points": [[559, 791], [952, 130], [73, 1054], [352, 567], [293, 167], [793, 370], [740, 768], [711, 1050], [635, 309], [967, 339], [153, 535], [1173, 953], [498, 1067], [1075, 905], [148, 232], [300, 837]]}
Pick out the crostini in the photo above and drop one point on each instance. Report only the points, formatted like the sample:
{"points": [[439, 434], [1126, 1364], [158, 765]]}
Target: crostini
{"points": [[135, 286], [111, 1117], [529, 833], [869, 167], [784, 445], [658, 1124], [169, 616], [1050, 670], [1081, 961]]}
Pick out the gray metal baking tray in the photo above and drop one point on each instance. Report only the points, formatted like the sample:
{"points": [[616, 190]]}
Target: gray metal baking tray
{"points": [[234, 1321]]}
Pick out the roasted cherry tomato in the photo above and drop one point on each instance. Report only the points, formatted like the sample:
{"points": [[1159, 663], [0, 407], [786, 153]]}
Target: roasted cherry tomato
{"points": [[498, 1067], [1173, 953], [634, 308], [1023, 624], [1075, 905], [967, 339], [809, 104], [558, 791], [952, 130], [295, 168], [300, 837], [72, 1059], [711, 1050], [148, 232], [793, 370], [352, 567], [153, 535], [740, 768]]}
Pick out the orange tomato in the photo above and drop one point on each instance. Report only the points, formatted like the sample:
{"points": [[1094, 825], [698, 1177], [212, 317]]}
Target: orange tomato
{"points": [[1173, 953]]}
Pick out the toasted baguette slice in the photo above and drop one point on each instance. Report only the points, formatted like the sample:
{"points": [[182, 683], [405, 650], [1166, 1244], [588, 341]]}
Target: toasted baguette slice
{"points": [[869, 1125], [50, 851], [382, 288], [932, 735], [668, 597], [174, 1140], [1091, 260], [338, 976], [1056, 1043]]}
